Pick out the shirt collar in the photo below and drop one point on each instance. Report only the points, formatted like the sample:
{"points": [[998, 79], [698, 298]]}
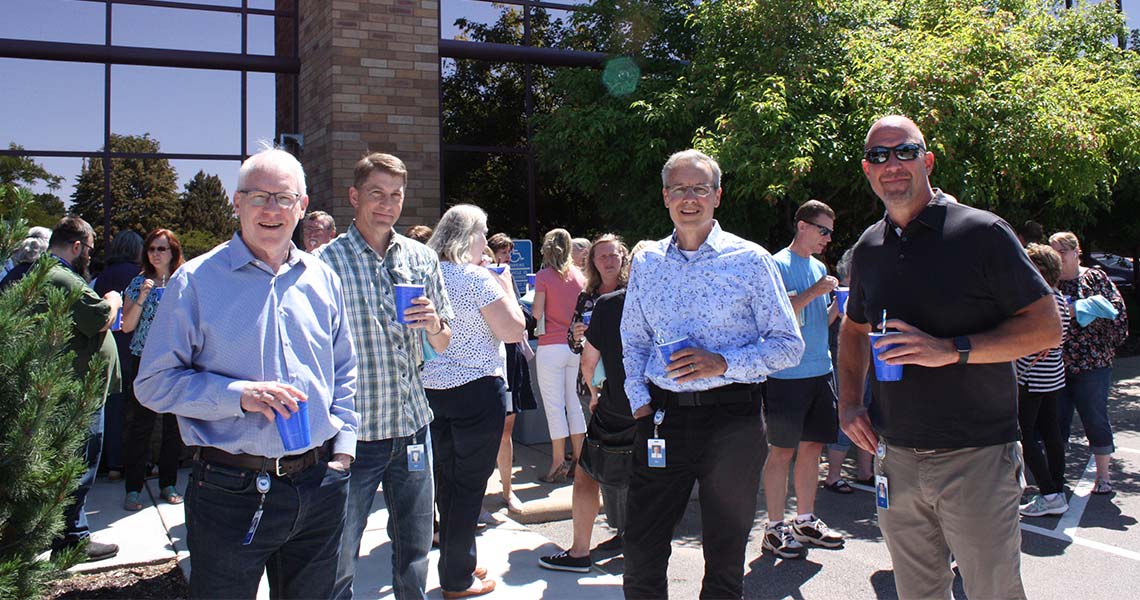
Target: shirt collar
{"points": [[714, 240], [240, 255], [63, 261], [933, 215], [358, 244]]}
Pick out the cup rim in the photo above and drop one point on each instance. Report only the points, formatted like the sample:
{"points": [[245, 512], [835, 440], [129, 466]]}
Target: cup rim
{"points": [[410, 285], [680, 339]]}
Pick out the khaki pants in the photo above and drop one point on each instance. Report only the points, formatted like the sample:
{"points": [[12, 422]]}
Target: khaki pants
{"points": [[961, 502]]}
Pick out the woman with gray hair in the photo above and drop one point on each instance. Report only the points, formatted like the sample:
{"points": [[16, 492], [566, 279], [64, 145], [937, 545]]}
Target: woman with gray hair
{"points": [[467, 391], [28, 252]]}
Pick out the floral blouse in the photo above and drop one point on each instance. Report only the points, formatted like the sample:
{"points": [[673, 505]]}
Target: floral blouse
{"points": [[1094, 346], [132, 293]]}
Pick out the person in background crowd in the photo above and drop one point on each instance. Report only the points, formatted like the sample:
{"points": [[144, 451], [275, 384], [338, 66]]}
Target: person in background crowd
{"points": [[27, 253], [557, 287], [122, 266], [1030, 232], [246, 334], [611, 424], [71, 243], [318, 229], [580, 247], [163, 257], [1039, 378], [466, 389], [1089, 352], [837, 452], [964, 302], [699, 407], [799, 402], [371, 259], [607, 269], [518, 382], [419, 233]]}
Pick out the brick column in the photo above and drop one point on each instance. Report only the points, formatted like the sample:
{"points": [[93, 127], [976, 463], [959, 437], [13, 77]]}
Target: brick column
{"points": [[369, 82]]}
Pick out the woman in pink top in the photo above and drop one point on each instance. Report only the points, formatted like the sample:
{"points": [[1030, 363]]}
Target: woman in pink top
{"points": [[556, 290]]}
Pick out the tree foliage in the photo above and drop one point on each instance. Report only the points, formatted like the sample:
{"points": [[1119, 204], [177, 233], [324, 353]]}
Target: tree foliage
{"points": [[1031, 110], [207, 217], [44, 415], [45, 209], [143, 191]]}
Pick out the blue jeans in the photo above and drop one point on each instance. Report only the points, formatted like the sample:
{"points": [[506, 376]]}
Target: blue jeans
{"points": [[409, 498], [75, 527], [296, 542], [1087, 392]]}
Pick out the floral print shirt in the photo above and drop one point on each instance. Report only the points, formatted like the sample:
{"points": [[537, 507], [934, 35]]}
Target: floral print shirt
{"points": [[133, 291], [1094, 346]]}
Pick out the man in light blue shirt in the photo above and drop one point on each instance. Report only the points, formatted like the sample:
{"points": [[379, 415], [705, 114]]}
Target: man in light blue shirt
{"points": [[243, 336], [800, 402], [702, 402]]}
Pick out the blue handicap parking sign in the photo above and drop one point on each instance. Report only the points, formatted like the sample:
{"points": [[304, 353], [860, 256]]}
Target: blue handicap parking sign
{"points": [[521, 263]]}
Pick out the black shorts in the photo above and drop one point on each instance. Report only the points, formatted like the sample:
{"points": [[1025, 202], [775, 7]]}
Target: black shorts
{"points": [[801, 410]]}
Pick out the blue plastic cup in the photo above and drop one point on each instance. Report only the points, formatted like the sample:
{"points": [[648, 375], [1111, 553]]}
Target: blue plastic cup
{"points": [[157, 293], [530, 280], [498, 269], [405, 293], [841, 294], [117, 325], [669, 348], [586, 316], [883, 371], [295, 432]]}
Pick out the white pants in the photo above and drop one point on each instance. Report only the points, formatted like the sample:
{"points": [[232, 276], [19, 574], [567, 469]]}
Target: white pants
{"points": [[557, 368]]}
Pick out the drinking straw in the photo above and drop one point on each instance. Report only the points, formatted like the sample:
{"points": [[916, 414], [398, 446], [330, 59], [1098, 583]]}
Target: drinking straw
{"points": [[883, 323]]}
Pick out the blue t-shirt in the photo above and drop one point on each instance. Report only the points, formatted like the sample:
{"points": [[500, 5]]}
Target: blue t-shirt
{"points": [[799, 274]]}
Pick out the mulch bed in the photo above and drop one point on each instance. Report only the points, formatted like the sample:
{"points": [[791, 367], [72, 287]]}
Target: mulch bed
{"points": [[163, 580]]}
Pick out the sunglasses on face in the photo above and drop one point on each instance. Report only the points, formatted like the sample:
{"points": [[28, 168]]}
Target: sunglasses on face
{"points": [[823, 231], [158, 249], [878, 155]]}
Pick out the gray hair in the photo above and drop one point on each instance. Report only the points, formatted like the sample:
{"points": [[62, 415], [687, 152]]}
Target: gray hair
{"points": [[580, 243], [127, 246], [451, 239], [843, 267], [30, 249], [690, 157], [271, 158]]}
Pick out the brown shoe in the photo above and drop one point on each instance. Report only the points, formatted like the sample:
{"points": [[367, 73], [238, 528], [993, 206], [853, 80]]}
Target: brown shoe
{"points": [[487, 587]]}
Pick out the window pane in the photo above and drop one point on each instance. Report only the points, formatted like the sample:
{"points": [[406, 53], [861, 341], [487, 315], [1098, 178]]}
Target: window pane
{"points": [[175, 28], [53, 21], [483, 104], [480, 15], [260, 35], [49, 105], [186, 110], [261, 107], [494, 182]]}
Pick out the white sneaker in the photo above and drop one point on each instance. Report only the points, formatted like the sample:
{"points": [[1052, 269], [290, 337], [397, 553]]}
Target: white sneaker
{"points": [[816, 532], [1040, 506]]}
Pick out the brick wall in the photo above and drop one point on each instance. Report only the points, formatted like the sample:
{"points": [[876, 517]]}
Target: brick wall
{"points": [[369, 82]]}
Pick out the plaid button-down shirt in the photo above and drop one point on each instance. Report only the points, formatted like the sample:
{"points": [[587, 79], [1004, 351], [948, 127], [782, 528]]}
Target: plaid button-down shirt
{"points": [[389, 393]]}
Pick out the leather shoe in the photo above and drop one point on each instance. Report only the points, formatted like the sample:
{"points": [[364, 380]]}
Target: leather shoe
{"points": [[100, 551], [487, 587]]}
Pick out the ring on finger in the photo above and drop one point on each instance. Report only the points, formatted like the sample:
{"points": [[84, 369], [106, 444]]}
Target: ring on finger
{"points": [[692, 368]]}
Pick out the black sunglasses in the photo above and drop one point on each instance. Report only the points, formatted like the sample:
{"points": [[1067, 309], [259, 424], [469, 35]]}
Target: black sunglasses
{"points": [[878, 155], [823, 231]]}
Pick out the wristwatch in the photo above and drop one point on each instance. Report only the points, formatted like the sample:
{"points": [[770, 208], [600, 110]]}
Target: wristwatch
{"points": [[962, 345]]}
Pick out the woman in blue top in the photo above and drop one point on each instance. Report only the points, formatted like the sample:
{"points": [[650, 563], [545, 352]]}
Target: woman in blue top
{"points": [[163, 254]]}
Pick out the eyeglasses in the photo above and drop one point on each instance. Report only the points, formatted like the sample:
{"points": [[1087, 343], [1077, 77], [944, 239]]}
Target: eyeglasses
{"points": [[878, 155], [158, 249], [261, 198], [680, 191], [823, 231]]}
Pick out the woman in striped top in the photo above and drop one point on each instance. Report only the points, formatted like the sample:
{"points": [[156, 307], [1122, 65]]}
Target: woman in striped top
{"points": [[1039, 379]]}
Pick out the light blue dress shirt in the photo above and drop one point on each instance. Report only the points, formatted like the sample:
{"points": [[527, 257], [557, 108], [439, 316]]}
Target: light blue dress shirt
{"points": [[728, 298], [227, 320]]}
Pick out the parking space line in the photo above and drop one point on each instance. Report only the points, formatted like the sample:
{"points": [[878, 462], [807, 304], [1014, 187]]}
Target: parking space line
{"points": [[1132, 450], [1121, 552], [1071, 520]]}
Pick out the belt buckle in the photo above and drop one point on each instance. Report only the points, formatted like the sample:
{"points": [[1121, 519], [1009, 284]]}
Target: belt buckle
{"points": [[277, 468], [688, 399]]}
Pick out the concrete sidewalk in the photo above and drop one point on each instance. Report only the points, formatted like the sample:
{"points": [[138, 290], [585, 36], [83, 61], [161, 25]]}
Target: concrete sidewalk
{"points": [[507, 549]]}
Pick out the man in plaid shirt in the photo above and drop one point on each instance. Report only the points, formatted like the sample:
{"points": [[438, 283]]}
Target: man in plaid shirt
{"points": [[371, 259]]}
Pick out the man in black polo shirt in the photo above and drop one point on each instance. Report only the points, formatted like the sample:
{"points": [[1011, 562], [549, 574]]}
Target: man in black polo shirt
{"points": [[966, 301]]}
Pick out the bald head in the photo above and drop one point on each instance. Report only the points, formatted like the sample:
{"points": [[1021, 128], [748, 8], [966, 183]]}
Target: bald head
{"points": [[896, 122]]}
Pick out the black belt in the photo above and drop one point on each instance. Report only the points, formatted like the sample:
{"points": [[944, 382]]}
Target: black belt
{"points": [[286, 465], [733, 393]]}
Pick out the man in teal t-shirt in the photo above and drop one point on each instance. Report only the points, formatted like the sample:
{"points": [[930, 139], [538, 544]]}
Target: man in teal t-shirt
{"points": [[800, 403]]}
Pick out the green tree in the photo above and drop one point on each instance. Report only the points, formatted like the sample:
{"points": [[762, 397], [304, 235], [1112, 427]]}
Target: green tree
{"points": [[143, 191], [44, 413], [46, 209], [1030, 112], [207, 215]]}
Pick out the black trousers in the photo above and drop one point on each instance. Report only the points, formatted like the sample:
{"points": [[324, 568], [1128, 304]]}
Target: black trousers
{"points": [[136, 443], [723, 447], [1037, 414], [465, 437]]}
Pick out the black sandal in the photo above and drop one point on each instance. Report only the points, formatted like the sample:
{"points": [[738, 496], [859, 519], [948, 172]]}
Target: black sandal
{"points": [[839, 487]]}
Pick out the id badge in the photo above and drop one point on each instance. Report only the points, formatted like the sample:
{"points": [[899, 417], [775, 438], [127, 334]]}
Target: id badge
{"points": [[882, 492], [657, 453], [417, 460]]}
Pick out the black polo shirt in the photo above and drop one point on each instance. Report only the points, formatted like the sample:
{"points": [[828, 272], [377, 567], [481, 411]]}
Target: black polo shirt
{"points": [[954, 270]]}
